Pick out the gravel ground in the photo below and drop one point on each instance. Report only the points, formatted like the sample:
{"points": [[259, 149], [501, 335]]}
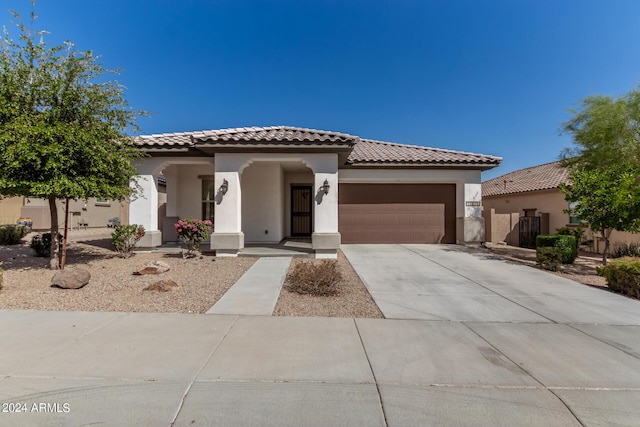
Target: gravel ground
{"points": [[113, 287], [353, 299], [583, 270]]}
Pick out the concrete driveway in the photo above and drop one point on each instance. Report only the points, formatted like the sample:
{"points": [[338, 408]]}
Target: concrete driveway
{"points": [[447, 282]]}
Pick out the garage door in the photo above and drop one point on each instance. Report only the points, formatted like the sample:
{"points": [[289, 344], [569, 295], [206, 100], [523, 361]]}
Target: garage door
{"points": [[397, 213]]}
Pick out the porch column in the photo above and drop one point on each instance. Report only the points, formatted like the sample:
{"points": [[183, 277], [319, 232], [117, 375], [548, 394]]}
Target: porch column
{"points": [[473, 220], [144, 210], [227, 238], [325, 239]]}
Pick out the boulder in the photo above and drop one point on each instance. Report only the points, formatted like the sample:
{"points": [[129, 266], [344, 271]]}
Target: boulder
{"points": [[156, 267], [163, 286], [71, 278]]}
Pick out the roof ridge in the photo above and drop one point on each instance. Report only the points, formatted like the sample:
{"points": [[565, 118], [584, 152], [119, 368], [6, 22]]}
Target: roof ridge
{"points": [[278, 127], [428, 148]]}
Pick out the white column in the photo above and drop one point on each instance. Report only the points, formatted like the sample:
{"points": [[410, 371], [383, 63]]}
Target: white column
{"points": [[473, 220], [227, 238], [143, 210], [326, 212], [325, 239]]}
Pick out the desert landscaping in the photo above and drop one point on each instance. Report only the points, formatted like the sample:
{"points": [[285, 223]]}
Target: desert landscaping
{"points": [[114, 286]]}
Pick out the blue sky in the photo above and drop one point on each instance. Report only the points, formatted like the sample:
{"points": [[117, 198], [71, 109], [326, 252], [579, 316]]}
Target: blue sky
{"points": [[491, 77]]}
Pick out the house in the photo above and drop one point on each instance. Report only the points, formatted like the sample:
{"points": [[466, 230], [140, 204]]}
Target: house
{"points": [[535, 193], [264, 184], [90, 213]]}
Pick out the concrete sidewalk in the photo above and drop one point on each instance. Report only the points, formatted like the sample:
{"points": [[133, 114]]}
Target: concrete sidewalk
{"points": [[202, 370]]}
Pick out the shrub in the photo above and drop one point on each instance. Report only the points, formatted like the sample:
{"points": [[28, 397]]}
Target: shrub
{"points": [[625, 250], [11, 234], [577, 232], [315, 278], [125, 238], [623, 275], [549, 258], [566, 244], [191, 233], [41, 244]]}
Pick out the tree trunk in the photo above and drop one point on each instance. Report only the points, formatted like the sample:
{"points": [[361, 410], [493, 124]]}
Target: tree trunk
{"points": [[64, 236], [605, 235], [54, 250]]}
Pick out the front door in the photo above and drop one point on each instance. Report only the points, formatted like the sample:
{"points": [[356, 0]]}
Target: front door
{"points": [[301, 206]]}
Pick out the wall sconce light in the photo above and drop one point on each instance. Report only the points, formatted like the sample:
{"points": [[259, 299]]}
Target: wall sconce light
{"points": [[325, 187], [224, 187]]}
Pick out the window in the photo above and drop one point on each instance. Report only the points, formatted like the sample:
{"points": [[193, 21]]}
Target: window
{"points": [[208, 199], [573, 219], [102, 202]]}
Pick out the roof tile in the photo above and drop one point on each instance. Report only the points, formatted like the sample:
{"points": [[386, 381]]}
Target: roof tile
{"points": [[369, 151], [536, 178]]}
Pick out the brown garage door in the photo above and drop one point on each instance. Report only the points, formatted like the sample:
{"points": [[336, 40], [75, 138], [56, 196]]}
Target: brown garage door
{"points": [[397, 213]]}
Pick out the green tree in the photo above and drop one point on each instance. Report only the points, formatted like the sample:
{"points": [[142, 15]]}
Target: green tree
{"points": [[604, 130], [63, 125], [608, 199]]}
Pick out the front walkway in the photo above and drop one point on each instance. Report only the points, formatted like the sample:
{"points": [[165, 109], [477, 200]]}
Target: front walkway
{"points": [[257, 291], [202, 370]]}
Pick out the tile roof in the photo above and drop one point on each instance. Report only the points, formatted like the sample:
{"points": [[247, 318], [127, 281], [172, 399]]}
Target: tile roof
{"points": [[365, 152], [177, 139], [284, 134], [544, 177], [371, 152]]}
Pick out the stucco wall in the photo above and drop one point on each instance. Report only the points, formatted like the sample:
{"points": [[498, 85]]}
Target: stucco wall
{"points": [[10, 210], [94, 213], [188, 189], [551, 202], [262, 202]]}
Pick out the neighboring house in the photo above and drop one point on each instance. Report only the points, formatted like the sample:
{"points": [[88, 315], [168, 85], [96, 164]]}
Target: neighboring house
{"points": [[533, 191], [92, 213], [265, 184], [10, 210]]}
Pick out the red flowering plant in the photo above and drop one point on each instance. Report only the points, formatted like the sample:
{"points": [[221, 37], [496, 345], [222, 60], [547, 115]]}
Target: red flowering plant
{"points": [[192, 232], [125, 238]]}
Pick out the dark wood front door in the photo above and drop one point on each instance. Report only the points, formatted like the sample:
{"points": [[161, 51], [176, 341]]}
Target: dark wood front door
{"points": [[301, 206]]}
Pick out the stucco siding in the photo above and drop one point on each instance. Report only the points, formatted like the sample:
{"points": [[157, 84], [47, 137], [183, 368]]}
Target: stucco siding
{"points": [[262, 202], [189, 189], [549, 201]]}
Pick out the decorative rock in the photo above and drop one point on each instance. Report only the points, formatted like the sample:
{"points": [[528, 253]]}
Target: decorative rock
{"points": [[71, 278], [155, 267], [163, 286]]}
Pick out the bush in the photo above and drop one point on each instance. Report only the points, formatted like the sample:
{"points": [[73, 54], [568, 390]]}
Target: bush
{"points": [[577, 232], [125, 238], [315, 278], [12, 234], [549, 258], [191, 233], [623, 275], [566, 244], [41, 244], [625, 250]]}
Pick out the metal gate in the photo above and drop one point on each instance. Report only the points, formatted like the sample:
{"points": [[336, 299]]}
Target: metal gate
{"points": [[301, 205], [529, 230]]}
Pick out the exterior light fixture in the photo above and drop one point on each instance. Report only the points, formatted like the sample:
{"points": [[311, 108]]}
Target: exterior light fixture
{"points": [[224, 187], [325, 187]]}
